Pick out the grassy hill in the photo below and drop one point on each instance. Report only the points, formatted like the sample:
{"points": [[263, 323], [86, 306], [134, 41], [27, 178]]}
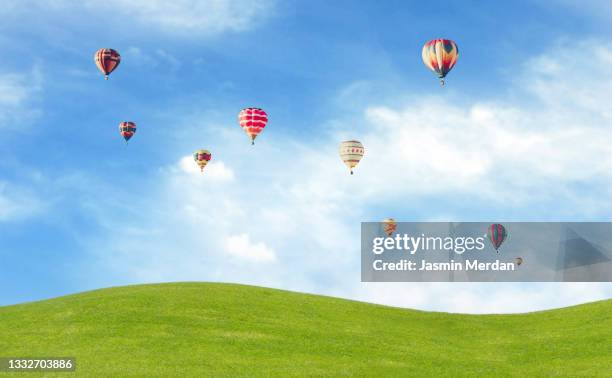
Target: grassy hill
{"points": [[197, 329]]}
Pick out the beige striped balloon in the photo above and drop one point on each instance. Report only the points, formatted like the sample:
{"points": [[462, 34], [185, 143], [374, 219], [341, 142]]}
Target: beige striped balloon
{"points": [[389, 226], [518, 261], [351, 152]]}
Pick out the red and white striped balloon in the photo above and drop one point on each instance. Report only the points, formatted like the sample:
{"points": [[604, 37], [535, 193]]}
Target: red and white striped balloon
{"points": [[252, 121], [107, 60]]}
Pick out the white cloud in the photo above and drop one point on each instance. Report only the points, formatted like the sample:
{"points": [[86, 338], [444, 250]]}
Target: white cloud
{"points": [[482, 298], [491, 149], [242, 247], [214, 170]]}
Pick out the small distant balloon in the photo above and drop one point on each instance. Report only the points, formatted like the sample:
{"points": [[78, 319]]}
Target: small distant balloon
{"points": [[127, 130], [389, 226], [252, 121], [202, 157], [107, 60], [496, 234], [440, 56], [518, 261], [351, 152]]}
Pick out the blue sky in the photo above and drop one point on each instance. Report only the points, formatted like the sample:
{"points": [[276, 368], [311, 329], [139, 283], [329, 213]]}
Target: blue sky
{"points": [[519, 133]]}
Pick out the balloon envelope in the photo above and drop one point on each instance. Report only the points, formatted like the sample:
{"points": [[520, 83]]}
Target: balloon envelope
{"points": [[107, 60], [518, 261], [127, 130], [202, 157], [496, 234], [252, 121], [440, 56], [389, 226], [351, 152]]}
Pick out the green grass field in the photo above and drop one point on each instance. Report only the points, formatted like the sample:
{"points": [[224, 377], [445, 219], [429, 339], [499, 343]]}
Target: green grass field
{"points": [[201, 329]]}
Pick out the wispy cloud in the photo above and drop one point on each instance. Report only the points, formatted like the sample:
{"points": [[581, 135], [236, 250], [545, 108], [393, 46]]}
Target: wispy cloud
{"points": [[208, 17], [17, 95], [599, 9], [18, 203], [153, 58]]}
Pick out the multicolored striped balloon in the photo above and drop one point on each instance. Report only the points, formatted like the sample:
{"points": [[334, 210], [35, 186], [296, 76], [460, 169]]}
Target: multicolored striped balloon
{"points": [[440, 56], [252, 121], [389, 226], [107, 60], [127, 130], [202, 157], [496, 234], [351, 152]]}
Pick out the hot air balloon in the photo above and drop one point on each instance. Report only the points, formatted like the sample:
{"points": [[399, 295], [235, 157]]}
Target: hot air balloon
{"points": [[202, 157], [389, 226], [252, 121], [496, 234], [518, 261], [107, 60], [440, 56], [351, 151], [127, 130]]}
